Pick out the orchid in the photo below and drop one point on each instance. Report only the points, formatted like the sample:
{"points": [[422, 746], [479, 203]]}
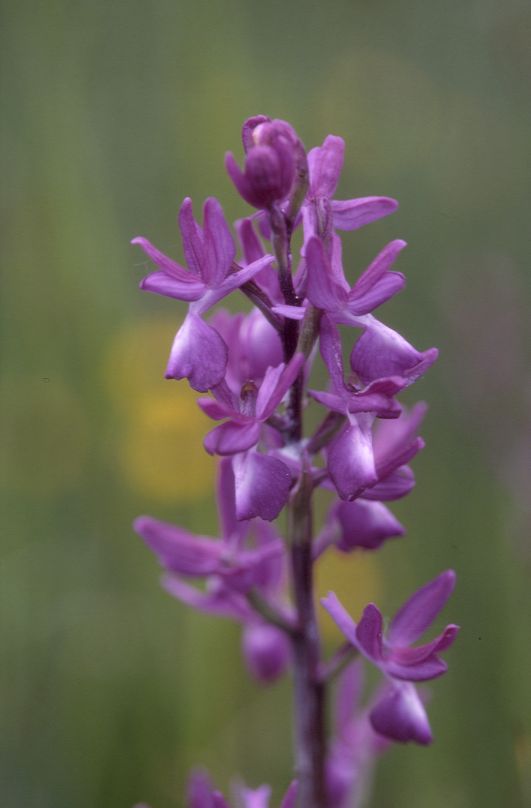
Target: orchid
{"points": [[256, 368]]}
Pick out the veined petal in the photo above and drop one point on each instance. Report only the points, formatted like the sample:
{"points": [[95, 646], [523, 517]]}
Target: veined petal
{"points": [[221, 602], [276, 384], [325, 164], [341, 617], [164, 263], [331, 351], [192, 238], [419, 612], [395, 486], [178, 550], [262, 485], [322, 291], [378, 268], [351, 214], [160, 283], [351, 461], [382, 290], [198, 354], [400, 716], [416, 654], [232, 437], [220, 249], [369, 633], [380, 351], [365, 524]]}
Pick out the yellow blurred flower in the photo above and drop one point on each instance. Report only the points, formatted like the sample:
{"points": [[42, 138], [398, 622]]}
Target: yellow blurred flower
{"points": [[161, 453]]}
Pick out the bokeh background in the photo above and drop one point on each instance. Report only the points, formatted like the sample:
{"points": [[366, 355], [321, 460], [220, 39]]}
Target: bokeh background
{"points": [[113, 112]]}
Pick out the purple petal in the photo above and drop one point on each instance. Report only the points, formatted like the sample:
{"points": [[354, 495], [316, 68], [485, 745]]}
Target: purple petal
{"points": [[365, 524], [290, 796], [380, 351], [252, 247], [266, 650], [221, 601], [254, 798], [262, 485], [382, 290], [193, 239], [220, 250], [325, 164], [332, 401], [341, 617], [276, 384], [419, 612], [431, 668], [413, 655], [395, 486], [323, 290], [249, 125], [178, 550], [351, 461], [400, 716], [393, 440], [351, 214], [160, 283], [369, 633], [200, 793], [232, 437], [164, 263], [198, 354], [331, 351], [217, 410]]}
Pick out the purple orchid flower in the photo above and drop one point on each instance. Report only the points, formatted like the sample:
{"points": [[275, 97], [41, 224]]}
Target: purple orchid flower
{"points": [[198, 352], [346, 399], [381, 352], [246, 415], [400, 713], [321, 212], [270, 162], [359, 524]]}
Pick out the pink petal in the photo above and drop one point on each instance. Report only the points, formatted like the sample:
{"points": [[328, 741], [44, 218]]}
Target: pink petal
{"points": [[400, 716], [419, 612], [351, 461], [351, 214], [198, 354], [341, 617], [325, 163], [230, 438], [262, 485]]}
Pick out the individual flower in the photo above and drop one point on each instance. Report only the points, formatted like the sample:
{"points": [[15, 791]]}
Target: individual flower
{"points": [[359, 524], [249, 411], [321, 213], [400, 714], [270, 162], [198, 352], [348, 398]]}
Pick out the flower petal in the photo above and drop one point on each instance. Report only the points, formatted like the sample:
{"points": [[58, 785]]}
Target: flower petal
{"points": [[365, 524], [232, 437], [351, 214], [325, 164], [160, 283], [323, 289], [266, 650], [220, 250], [198, 354], [400, 716], [419, 612], [178, 550], [193, 239], [380, 351], [351, 460], [164, 263], [262, 485], [369, 633], [341, 617]]}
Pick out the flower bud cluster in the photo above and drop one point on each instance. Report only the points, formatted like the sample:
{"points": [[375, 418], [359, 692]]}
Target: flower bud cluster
{"points": [[256, 369]]}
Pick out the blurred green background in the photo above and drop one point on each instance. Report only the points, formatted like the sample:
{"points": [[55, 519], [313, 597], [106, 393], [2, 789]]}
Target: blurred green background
{"points": [[113, 112]]}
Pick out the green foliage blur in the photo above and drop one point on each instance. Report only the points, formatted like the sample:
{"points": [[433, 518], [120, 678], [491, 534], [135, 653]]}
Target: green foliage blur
{"points": [[112, 113]]}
